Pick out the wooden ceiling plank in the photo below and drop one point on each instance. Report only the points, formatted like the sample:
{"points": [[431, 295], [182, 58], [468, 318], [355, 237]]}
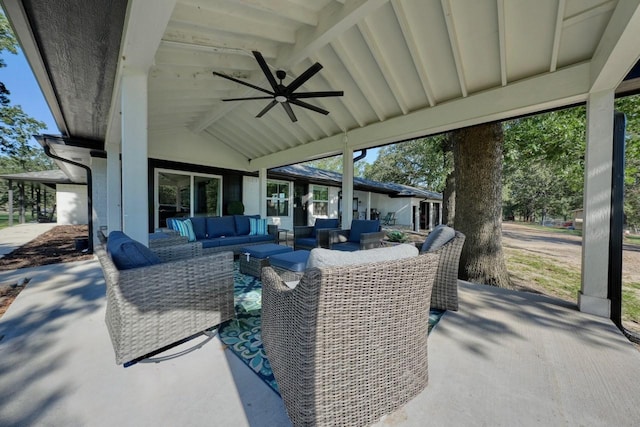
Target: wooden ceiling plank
{"points": [[416, 53], [455, 45], [388, 72]]}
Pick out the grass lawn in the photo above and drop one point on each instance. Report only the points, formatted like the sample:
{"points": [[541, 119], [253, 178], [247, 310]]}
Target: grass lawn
{"points": [[4, 219], [561, 280]]}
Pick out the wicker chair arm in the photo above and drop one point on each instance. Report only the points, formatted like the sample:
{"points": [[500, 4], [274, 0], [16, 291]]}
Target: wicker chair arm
{"points": [[338, 236], [177, 252], [272, 230], [371, 240], [322, 237]]}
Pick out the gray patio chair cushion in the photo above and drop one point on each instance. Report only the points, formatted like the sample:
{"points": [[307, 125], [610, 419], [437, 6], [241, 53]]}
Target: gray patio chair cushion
{"points": [[440, 236], [320, 257]]}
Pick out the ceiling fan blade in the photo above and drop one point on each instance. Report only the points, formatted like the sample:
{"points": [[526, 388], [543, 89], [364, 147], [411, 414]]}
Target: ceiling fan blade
{"points": [[267, 108], [233, 79], [248, 98], [302, 78], [308, 106], [289, 111], [265, 69], [324, 94]]}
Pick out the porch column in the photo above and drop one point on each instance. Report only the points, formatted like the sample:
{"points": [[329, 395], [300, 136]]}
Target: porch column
{"points": [[368, 211], [347, 187], [135, 189], [99, 201], [10, 203], [262, 192], [114, 196], [592, 297]]}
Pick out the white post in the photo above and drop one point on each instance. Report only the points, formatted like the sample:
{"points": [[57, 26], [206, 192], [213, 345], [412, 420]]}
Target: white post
{"points": [[592, 297], [368, 211], [347, 188], [262, 193], [135, 191], [114, 196], [99, 194]]}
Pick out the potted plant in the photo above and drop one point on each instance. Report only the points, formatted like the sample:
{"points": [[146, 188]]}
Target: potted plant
{"points": [[235, 208], [397, 236]]}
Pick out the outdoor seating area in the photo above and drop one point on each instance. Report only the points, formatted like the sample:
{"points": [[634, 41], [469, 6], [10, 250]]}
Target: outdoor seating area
{"points": [[521, 359], [363, 234]]}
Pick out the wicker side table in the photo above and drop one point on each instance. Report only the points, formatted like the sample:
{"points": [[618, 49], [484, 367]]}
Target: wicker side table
{"points": [[251, 265]]}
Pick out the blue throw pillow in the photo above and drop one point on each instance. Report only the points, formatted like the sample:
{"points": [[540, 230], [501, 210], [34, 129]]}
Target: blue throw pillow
{"points": [[242, 224], [186, 230], [359, 226], [440, 236], [257, 227], [127, 253], [199, 224]]}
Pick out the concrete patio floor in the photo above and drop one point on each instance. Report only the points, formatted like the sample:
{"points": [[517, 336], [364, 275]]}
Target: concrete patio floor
{"points": [[506, 358]]}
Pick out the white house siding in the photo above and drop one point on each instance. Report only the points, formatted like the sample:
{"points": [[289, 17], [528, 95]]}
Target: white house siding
{"points": [[99, 193], [71, 204]]}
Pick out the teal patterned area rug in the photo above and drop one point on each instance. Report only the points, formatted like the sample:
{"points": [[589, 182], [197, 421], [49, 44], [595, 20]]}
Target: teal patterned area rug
{"points": [[242, 335]]}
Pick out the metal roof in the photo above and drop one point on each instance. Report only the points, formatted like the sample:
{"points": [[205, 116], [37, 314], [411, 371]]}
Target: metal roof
{"points": [[325, 177]]}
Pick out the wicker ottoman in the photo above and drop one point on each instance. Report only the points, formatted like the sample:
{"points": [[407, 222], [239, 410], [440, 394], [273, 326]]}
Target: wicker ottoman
{"points": [[253, 258], [291, 265]]}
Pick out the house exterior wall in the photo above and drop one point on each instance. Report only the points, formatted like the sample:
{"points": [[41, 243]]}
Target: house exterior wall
{"points": [[99, 194], [71, 204]]}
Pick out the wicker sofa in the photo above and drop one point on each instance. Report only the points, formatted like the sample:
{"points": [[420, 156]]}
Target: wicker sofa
{"points": [[227, 233], [152, 307], [348, 344]]}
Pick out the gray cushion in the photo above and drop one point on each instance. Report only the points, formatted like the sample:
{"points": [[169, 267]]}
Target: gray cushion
{"points": [[320, 257], [440, 236]]}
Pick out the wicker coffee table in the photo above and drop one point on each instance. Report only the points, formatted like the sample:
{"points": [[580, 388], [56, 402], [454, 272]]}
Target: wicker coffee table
{"points": [[253, 258]]}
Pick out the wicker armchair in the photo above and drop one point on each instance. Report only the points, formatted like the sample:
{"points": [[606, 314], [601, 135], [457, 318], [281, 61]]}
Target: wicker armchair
{"points": [[369, 236], [348, 344], [314, 236], [151, 308], [445, 287]]}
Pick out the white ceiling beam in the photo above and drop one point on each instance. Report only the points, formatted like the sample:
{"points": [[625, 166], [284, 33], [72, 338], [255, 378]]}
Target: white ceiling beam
{"points": [[417, 54], [590, 13], [334, 20], [199, 17], [237, 133], [502, 38], [238, 62], [619, 47], [455, 45], [557, 35], [145, 22], [564, 87], [22, 29], [388, 72], [211, 38], [363, 83], [238, 148], [282, 8]]}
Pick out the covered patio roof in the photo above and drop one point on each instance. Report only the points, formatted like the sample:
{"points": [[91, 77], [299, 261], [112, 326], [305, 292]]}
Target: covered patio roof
{"points": [[408, 68], [137, 76]]}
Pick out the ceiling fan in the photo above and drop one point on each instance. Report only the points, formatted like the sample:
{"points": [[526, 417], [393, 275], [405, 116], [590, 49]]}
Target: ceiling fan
{"points": [[281, 94]]}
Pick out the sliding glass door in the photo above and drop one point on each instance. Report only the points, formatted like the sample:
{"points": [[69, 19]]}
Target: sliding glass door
{"points": [[183, 194]]}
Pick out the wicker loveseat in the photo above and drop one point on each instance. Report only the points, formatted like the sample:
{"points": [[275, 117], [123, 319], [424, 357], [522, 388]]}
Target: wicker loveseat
{"points": [[152, 307], [348, 344]]}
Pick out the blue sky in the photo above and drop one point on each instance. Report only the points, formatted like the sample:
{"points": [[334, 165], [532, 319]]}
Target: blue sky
{"points": [[19, 79]]}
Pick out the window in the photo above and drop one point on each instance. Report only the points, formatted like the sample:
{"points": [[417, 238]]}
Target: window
{"points": [[320, 201], [277, 198], [182, 194]]}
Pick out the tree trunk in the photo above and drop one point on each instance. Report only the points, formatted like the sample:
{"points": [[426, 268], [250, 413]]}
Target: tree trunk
{"points": [[449, 193], [478, 173]]}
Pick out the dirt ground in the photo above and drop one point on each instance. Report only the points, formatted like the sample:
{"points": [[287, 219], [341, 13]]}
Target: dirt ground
{"points": [[55, 246]]}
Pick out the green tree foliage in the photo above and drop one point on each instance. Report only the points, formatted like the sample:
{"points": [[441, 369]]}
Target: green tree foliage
{"points": [[544, 164], [419, 163], [334, 164], [630, 106]]}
